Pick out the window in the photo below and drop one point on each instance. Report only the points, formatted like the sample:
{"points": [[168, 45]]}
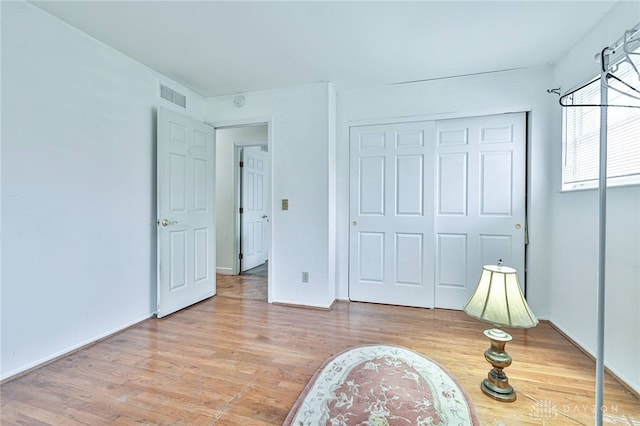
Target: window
{"points": [[581, 134]]}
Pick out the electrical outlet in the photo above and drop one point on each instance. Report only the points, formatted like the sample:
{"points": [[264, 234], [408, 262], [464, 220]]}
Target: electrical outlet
{"points": [[305, 277]]}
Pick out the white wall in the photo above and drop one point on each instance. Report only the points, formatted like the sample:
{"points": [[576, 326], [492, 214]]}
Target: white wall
{"points": [[78, 188], [300, 162], [226, 141], [458, 97], [574, 230]]}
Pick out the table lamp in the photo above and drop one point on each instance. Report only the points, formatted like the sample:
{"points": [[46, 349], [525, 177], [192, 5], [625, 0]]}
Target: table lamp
{"points": [[498, 300]]}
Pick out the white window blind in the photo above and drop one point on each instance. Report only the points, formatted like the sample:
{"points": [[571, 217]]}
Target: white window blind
{"points": [[581, 134]]}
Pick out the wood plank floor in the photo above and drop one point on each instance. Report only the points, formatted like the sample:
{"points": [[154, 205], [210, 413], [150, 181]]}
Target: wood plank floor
{"points": [[248, 287], [231, 361]]}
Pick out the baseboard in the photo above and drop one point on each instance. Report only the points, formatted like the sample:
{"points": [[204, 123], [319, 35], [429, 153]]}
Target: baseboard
{"points": [[627, 386], [224, 271], [12, 375]]}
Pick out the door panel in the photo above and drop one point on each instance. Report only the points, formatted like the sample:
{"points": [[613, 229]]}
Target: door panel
{"points": [[409, 185], [178, 259], [391, 215], [186, 213], [372, 194], [452, 171], [480, 213], [201, 236], [371, 257], [201, 188], [496, 182], [452, 251], [408, 264]]}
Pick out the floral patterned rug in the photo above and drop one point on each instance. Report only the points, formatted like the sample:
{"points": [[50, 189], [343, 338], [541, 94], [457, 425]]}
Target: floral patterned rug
{"points": [[382, 385]]}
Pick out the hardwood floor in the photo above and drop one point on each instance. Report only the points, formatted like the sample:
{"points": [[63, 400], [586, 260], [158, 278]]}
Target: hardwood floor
{"points": [[230, 361], [250, 286]]}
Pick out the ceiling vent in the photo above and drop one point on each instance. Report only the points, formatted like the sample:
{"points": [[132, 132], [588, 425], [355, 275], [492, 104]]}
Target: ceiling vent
{"points": [[173, 96]]}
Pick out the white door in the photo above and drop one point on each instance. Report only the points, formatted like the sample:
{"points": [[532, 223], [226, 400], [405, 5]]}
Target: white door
{"points": [[186, 213], [480, 201], [391, 208], [432, 202], [253, 212]]}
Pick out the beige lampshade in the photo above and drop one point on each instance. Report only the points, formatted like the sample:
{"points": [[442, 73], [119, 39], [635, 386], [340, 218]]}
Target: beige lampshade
{"points": [[499, 300]]}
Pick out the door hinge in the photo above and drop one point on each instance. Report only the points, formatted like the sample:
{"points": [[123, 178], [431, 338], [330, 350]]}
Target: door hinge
{"points": [[241, 210], [242, 164], [240, 256]]}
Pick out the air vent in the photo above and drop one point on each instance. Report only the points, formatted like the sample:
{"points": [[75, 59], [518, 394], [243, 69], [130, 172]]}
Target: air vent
{"points": [[173, 96]]}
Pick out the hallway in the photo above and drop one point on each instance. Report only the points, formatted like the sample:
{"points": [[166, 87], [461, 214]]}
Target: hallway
{"points": [[251, 285]]}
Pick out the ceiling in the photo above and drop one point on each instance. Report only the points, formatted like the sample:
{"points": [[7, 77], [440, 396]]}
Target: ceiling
{"points": [[219, 48]]}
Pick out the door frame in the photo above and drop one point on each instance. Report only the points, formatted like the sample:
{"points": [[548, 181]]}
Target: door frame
{"points": [[526, 109], [268, 121]]}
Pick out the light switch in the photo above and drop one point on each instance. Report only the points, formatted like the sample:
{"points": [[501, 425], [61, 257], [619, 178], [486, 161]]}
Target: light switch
{"points": [[285, 204]]}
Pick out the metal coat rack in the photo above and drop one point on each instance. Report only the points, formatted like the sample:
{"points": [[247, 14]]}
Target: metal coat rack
{"points": [[622, 51]]}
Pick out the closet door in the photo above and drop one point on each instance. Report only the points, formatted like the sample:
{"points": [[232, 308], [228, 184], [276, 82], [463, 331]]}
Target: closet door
{"points": [[480, 201], [391, 207], [430, 203]]}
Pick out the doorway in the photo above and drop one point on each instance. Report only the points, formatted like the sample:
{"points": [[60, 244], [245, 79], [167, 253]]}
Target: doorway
{"points": [[243, 182]]}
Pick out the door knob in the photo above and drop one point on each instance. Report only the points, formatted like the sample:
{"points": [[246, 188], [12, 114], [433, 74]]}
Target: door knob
{"points": [[167, 222]]}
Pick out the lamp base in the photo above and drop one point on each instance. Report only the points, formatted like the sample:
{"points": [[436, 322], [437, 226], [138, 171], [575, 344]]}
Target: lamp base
{"points": [[496, 385], [503, 394]]}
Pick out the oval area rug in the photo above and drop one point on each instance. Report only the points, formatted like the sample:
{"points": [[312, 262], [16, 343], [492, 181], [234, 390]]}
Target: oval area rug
{"points": [[381, 385]]}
